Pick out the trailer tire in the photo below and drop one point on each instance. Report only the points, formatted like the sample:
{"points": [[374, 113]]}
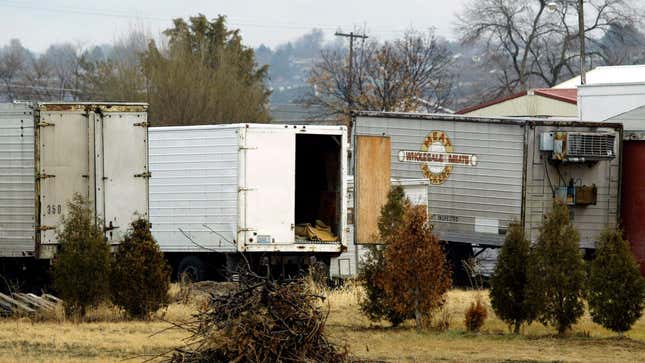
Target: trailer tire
{"points": [[192, 267]]}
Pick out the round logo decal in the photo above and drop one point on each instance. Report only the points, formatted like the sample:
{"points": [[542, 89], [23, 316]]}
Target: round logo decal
{"points": [[437, 157], [437, 171]]}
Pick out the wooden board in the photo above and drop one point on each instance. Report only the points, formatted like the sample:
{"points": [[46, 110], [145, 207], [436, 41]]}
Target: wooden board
{"points": [[371, 184]]}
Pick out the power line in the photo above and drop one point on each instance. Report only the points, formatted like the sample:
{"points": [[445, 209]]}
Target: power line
{"points": [[127, 15], [231, 20]]}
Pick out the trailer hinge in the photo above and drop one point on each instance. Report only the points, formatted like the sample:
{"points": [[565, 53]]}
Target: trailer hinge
{"points": [[45, 228], [248, 147], [244, 189], [44, 176], [245, 230], [142, 124], [45, 124], [145, 174]]}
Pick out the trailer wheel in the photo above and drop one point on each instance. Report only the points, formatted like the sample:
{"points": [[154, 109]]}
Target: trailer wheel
{"points": [[192, 267]]}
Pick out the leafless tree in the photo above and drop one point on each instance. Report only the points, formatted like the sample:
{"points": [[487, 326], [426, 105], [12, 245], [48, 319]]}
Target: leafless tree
{"points": [[13, 61], [64, 60], [534, 43], [408, 74], [37, 79]]}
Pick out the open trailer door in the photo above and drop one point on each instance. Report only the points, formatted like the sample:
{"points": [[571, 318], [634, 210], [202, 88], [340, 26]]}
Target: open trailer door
{"points": [[269, 190], [372, 171]]}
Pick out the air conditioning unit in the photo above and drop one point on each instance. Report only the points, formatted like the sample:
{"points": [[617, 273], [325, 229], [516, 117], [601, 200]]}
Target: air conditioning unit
{"points": [[583, 146]]}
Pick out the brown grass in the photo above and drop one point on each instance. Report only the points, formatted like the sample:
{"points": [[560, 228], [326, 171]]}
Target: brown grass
{"points": [[110, 338]]}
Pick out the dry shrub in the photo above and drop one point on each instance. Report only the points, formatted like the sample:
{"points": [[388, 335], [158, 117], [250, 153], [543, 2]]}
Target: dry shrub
{"points": [[417, 275], [475, 316], [261, 321], [441, 320]]}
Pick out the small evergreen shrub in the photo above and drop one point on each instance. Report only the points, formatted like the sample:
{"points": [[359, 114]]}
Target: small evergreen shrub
{"points": [[509, 283], [616, 288], [140, 274], [557, 273], [475, 316], [81, 269], [374, 304]]}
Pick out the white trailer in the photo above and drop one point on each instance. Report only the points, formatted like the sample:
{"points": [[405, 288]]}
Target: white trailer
{"points": [[50, 151], [217, 191]]}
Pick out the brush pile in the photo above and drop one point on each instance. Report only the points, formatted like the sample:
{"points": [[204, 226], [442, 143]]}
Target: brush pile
{"points": [[262, 320]]}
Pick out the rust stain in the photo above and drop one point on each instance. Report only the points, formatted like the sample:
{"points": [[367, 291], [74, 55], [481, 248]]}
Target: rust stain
{"points": [[101, 107]]}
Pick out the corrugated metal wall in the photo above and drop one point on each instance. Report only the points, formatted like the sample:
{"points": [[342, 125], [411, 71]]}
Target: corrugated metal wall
{"points": [[17, 182], [475, 203], [194, 183], [590, 220]]}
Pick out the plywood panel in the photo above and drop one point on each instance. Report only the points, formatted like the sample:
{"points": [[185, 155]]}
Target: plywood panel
{"points": [[372, 176]]}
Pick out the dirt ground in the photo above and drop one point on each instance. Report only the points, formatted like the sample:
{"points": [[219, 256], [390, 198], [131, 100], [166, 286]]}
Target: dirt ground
{"points": [[109, 338]]}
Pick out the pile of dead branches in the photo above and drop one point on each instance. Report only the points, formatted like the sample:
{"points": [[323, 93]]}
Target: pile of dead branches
{"points": [[262, 320]]}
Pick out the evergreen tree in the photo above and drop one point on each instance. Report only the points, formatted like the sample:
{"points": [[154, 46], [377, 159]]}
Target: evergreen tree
{"points": [[140, 274], [557, 271], [508, 293], [81, 269], [374, 304], [616, 287]]}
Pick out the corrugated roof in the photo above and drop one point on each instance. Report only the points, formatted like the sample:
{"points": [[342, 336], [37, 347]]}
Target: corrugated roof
{"points": [[569, 95], [609, 74], [561, 94]]}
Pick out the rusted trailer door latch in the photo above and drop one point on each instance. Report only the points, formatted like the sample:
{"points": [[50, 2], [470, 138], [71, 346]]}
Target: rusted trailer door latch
{"points": [[45, 228], [44, 176], [45, 124], [142, 124], [145, 174]]}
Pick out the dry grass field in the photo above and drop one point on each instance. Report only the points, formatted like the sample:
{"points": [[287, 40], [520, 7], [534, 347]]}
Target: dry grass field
{"points": [[107, 337]]}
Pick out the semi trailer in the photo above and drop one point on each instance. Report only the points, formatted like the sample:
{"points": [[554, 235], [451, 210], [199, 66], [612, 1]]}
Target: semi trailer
{"points": [[276, 193], [49, 152], [485, 173]]}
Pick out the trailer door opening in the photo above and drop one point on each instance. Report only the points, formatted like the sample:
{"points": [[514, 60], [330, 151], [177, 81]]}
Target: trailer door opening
{"points": [[318, 187]]}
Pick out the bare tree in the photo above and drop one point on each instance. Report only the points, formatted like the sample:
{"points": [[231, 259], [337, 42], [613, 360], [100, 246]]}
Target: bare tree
{"points": [[64, 60], [535, 42], [13, 61], [408, 74], [118, 75], [37, 79]]}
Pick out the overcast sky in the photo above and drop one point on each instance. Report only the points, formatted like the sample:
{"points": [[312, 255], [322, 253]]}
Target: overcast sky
{"points": [[40, 23]]}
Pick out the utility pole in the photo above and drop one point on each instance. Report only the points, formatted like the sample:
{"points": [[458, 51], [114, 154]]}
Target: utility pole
{"points": [[350, 79], [581, 33]]}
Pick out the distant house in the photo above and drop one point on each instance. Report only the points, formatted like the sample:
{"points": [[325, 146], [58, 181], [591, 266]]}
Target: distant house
{"points": [[539, 102]]}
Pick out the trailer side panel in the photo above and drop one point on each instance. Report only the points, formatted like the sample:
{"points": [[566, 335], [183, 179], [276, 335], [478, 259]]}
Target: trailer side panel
{"points": [[17, 183], [194, 188], [475, 171]]}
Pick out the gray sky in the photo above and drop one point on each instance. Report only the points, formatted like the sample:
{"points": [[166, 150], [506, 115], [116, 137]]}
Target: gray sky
{"points": [[40, 23]]}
